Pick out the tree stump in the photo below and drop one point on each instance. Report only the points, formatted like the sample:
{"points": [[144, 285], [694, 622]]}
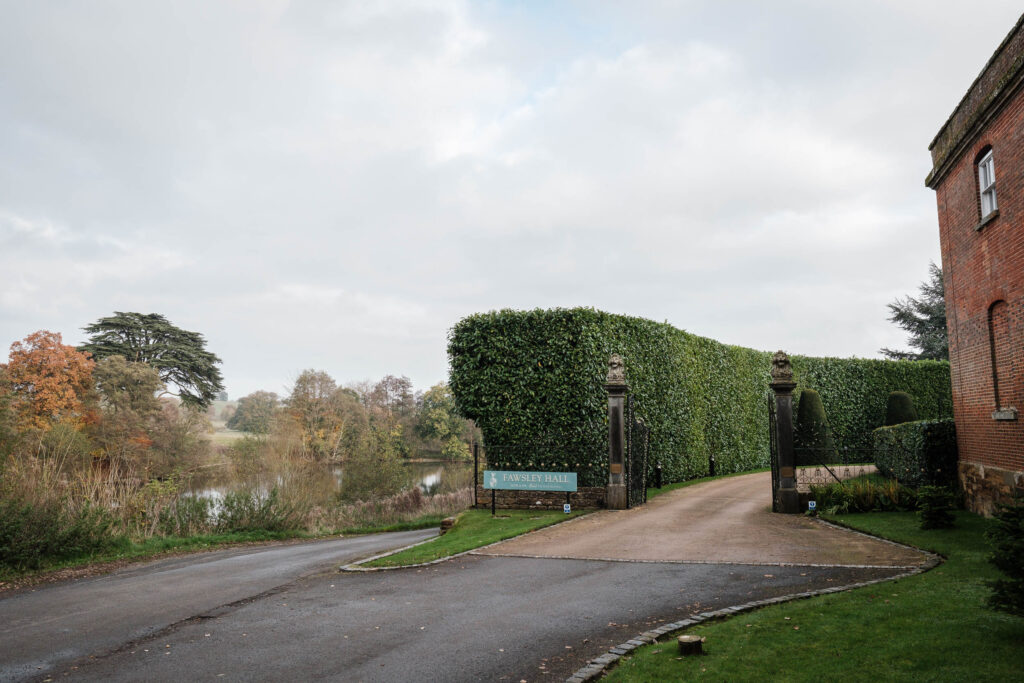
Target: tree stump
{"points": [[447, 524], [691, 645]]}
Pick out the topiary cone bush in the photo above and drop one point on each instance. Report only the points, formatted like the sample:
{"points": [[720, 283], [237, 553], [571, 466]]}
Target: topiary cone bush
{"points": [[813, 435], [899, 409], [1007, 538], [936, 507]]}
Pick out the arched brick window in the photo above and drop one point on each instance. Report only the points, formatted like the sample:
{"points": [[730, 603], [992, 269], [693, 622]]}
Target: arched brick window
{"points": [[1005, 373]]}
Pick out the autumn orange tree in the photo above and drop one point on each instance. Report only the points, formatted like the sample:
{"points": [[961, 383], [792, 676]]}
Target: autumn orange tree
{"points": [[49, 380]]}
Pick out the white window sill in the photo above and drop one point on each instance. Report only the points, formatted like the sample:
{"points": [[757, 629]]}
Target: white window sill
{"points": [[992, 215]]}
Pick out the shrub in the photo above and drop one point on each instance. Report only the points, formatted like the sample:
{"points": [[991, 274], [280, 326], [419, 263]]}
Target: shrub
{"points": [[918, 453], [534, 379], [1007, 537], [863, 494], [899, 408], [252, 511], [812, 436], [33, 533], [936, 503], [187, 516]]}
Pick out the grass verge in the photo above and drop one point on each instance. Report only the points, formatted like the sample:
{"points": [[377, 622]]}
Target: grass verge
{"points": [[929, 627], [474, 529]]}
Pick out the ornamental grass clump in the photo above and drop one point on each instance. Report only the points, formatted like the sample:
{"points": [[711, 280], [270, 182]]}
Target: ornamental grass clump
{"points": [[936, 507], [864, 494], [1007, 538]]}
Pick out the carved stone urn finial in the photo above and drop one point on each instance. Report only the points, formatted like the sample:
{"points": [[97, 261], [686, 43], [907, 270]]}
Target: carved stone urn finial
{"points": [[616, 370], [782, 371]]}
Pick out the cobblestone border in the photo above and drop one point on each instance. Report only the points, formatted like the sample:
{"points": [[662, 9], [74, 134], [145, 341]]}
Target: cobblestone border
{"points": [[599, 665], [720, 562]]}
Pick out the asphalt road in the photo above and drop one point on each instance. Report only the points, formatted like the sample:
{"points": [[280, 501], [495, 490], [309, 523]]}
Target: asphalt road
{"points": [[43, 630], [286, 613], [473, 618]]}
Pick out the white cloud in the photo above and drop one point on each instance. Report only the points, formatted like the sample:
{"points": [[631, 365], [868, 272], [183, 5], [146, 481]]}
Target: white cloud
{"points": [[333, 185]]}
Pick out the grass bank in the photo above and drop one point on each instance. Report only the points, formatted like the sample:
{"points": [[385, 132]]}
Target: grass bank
{"points": [[929, 627], [475, 529]]}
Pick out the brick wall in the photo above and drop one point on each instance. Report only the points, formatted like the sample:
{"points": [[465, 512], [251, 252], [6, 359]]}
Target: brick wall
{"points": [[984, 280], [587, 497]]}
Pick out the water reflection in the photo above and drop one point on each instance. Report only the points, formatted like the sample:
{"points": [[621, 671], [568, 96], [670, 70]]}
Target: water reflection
{"points": [[325, 482]]}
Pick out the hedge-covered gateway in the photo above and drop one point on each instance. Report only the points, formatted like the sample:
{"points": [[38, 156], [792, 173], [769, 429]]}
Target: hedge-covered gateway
{"points": [[533, 382]]}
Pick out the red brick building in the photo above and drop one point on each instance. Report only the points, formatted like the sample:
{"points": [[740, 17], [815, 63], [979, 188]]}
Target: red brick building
{"points": [[978, 178]]}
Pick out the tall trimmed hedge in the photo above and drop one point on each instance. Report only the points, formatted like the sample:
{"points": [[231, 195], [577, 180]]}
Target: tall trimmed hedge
{"points": [[533, 382], [921, 453], [855, 391]]}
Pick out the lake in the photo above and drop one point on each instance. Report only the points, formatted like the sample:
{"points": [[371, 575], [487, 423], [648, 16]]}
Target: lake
{"points": [[325, 482]]}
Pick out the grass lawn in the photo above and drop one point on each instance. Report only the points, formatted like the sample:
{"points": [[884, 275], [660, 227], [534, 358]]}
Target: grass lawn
{"points": [[474, 529], [929, 627]]}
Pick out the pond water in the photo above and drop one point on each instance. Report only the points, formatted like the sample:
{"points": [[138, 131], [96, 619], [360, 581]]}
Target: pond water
{"points": [[325, 482]]}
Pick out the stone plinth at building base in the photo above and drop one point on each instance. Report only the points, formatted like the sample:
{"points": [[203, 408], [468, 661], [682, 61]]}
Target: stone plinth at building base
{"points": [[985, 486], [586, 498]]}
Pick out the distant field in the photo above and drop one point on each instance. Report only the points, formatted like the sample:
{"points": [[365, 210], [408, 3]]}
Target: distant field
{"points": [[225, 437], [222, 436]]}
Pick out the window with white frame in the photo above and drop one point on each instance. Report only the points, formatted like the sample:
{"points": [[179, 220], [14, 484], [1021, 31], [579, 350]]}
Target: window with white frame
{"points": [[987, 184]]}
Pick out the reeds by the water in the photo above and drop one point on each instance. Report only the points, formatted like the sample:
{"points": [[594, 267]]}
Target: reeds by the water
{"points": [[56, 505]]}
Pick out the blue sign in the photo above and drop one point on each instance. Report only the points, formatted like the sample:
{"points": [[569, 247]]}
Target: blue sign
{"points": [[529, 481], [567, 508], [812, 505]]}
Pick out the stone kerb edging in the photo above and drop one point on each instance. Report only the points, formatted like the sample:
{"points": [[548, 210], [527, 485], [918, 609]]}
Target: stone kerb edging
{"points": [[597, 666], [715, 562], [355, 566]]}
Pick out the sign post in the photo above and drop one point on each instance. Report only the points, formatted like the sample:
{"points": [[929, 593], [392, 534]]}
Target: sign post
{"points": [[503, 480]]}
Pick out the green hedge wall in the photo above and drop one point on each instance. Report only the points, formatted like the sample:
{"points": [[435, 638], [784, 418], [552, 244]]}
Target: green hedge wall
{"points": [[855, 392], [921, 453], [533, 382]]}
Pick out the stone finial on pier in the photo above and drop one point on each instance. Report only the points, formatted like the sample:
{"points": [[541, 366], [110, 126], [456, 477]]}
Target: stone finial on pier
{"points": [[616, 370]]}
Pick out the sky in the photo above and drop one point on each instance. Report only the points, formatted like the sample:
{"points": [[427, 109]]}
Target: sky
{"points": [[333, 185]]}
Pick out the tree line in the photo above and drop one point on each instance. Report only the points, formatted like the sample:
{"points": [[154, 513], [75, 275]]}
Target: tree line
{"points": [[136, 397], [328, 422]]}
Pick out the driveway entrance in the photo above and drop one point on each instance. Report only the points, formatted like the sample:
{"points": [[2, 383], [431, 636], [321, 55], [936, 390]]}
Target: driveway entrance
{"points": [[722, 521]]}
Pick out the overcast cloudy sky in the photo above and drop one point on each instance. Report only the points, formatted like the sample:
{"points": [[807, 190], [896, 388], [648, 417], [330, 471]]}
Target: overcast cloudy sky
{"points": [[333, 185]]}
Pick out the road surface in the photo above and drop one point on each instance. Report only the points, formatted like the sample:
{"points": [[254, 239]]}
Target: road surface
{"points": [[281, 613]]}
